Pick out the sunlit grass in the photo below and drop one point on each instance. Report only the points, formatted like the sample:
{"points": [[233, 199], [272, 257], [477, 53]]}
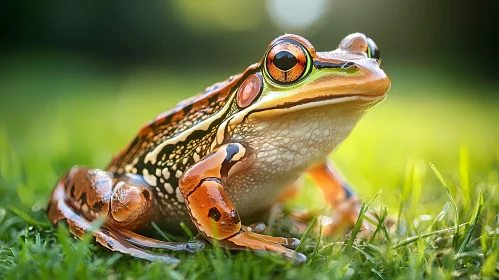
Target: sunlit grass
{"points": [[445, 215]]}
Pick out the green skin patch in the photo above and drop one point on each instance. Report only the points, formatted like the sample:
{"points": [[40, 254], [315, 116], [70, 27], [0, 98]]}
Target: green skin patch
{"points": [[313, 74]]}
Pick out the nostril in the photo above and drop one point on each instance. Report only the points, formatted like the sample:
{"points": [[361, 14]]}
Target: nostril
{"points": [[348, 65]]}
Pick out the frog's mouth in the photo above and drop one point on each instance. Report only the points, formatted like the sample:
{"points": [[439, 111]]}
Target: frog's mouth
{"points": [[364, 101], [324, 91], [320, 101], [357, 103]]}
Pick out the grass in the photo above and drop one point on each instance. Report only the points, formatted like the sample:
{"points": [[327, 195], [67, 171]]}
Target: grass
{"points": [[434, 156]]}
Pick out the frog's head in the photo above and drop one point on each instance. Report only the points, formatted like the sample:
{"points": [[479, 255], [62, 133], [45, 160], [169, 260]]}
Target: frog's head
{"points": [[294, 88], [292, 76]]}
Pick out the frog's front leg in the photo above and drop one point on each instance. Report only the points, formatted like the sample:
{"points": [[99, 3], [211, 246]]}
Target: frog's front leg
{"points": [[336, 191], [213, 212], [124, 203]]}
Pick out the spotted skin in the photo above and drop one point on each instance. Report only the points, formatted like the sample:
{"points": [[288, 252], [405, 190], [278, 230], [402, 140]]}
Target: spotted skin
{"points": [[228, 153], [161, 154]]}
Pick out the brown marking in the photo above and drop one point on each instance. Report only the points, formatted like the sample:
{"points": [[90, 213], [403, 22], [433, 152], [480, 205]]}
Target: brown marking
{"points": [[83, 198], [235, 216], [97, 207], [214, 214], [146, 194]]}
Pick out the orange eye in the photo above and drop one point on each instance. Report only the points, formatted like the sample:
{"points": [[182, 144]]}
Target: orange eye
{"points": [[286, 62]]}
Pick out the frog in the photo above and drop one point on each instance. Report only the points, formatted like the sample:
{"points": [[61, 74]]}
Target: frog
{"points": [[229, 153]]}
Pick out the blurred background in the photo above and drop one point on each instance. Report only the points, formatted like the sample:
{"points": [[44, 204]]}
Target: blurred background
{"points": [[79, 78]]}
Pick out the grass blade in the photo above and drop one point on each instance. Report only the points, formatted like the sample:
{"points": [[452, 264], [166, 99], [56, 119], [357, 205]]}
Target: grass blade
{"points": [[366, 254], [381, 223], [316, 249], [413, 239], [27, 218], [305, 234], [358, 224], [456, 219], [440, 215], [472, 223], [155, 226], [186, 230], [378, 273]]}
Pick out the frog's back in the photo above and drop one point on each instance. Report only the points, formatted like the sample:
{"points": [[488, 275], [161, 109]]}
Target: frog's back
{"points": [[171, 124]]}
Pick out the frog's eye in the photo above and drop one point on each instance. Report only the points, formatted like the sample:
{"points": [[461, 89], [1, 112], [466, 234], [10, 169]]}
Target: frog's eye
{"points": [[372, 50], [286, 62]]}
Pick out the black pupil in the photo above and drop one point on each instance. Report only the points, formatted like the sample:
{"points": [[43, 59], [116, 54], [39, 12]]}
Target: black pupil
{"points": [[373, 50], [284, 60]]}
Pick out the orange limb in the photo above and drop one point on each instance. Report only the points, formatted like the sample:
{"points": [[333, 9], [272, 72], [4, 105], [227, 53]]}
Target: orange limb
{"points": [[256, 227], [213, 212], [85, 195], [338, 194]]}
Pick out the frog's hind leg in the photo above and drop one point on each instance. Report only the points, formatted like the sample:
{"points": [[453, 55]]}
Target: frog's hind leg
{"points": [[336, 191], [133, 238], [77, 190]]}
